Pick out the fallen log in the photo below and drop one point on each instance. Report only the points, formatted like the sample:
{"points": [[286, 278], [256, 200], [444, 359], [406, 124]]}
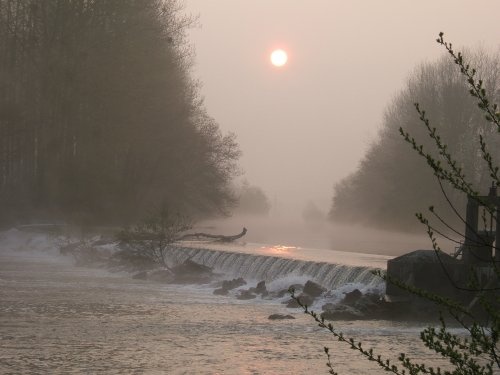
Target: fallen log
{"points": [[217, 237], [144, 236]]}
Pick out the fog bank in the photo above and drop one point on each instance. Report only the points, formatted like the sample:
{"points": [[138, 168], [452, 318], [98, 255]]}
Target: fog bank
{"points": [[321, 235]]}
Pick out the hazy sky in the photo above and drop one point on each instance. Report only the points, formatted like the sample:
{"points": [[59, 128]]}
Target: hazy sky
{"points": [[304, 127]]}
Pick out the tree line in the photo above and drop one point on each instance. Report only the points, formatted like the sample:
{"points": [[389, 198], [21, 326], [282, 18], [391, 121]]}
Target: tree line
{"points": [[100, 119], [392, 182]]}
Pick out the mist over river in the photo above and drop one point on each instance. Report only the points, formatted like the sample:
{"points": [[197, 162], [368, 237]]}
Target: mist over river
{"points": [[56, 318]]}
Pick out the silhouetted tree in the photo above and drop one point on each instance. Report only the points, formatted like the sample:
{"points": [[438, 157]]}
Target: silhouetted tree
{"points": [[312, 214], [99, 117], [252, 200], [392, 182], [475, 350]]}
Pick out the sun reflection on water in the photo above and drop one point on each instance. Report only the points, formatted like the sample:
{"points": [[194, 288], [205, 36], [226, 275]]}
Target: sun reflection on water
{"points": [[278, 249]]}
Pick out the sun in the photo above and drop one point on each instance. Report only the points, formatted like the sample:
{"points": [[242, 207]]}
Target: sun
{"points": [[279, 57]]}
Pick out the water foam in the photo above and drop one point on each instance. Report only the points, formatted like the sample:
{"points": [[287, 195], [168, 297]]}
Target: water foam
{"points": [[273, 269]]}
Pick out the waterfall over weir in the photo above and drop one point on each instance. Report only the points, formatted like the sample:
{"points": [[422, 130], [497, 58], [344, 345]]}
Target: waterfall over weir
{"points": [[270, 268]]}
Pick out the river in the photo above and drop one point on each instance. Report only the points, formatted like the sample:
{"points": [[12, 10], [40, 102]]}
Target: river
{"points": [[56, 318]]}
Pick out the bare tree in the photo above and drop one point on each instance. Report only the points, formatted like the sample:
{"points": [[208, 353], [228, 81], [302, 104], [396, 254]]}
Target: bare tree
{"points": [[99, 117], [391, 182]]}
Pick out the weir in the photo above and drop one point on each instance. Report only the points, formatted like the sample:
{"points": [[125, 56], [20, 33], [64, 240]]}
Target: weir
{"points": [[269, 268]]}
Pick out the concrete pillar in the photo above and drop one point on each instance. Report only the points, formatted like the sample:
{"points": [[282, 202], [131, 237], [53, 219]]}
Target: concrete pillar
{"points": [[472, 239]]}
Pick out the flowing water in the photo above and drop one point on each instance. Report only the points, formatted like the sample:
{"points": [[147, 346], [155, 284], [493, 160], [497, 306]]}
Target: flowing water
{"points": [[56, 318]]}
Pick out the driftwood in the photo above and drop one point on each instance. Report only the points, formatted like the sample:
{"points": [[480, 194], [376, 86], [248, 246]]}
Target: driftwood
{"points": [[144, 236], [217, 237]]}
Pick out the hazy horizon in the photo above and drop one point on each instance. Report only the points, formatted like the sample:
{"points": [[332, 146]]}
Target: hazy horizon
{"points": [[296, 232], [131, 243], [304, 127]]}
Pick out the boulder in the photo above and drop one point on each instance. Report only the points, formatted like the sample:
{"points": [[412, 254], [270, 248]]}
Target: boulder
{"points": [[367, 306], [221, 292], [246, 294], [280, 317], [233, 284], [374, 307], [191, 272], [313, 289], [305, 299], [163, 275], [260, 289], [368, 302], [352, 297], [228, 285], [328, 307], [296, 287], [342, 312]]}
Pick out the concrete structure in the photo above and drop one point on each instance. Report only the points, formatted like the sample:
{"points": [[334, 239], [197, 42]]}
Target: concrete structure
{"points": [[450, 275], [478, 247]]}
